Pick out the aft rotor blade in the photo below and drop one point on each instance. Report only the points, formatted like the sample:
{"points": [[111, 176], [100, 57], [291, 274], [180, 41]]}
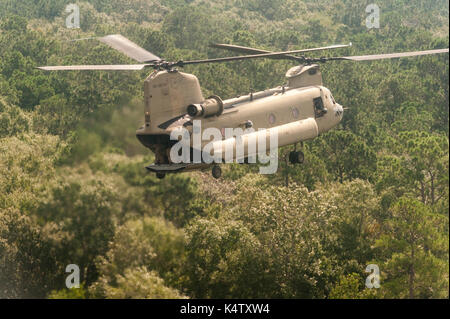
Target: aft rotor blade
{"points": [[389, 55], [129, 48], [116, 67]]}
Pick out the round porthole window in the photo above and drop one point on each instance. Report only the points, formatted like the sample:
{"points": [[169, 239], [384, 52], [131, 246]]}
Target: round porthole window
{"points": [[295, 112], [272, 118]]}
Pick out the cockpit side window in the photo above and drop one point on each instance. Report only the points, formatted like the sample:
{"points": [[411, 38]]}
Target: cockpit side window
{"points": [[319, 109]]}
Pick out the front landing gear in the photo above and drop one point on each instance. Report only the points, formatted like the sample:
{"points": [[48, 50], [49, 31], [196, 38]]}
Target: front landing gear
{"points": [[296, 157], [216, 171]]}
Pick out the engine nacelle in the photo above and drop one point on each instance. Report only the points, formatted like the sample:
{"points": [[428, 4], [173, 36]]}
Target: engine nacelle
{"points": [[210, 107]]}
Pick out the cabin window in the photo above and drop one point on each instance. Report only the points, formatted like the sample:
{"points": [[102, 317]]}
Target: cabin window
{"points": [[319, 109], [272, 118]]}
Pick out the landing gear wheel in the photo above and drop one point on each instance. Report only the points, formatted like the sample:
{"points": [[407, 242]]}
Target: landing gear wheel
{"points": [[160, 175], [296, 157], [300, 157], [216, 171]]}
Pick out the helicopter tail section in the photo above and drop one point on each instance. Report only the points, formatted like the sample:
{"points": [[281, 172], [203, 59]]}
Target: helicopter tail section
{"points": [[167, 96]]}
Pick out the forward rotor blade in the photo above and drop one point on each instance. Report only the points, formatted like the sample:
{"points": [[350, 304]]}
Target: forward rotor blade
{"points": [[310, 60], [269, 55], [389, 55], [116, 67], [238, 48], [129, 48]]}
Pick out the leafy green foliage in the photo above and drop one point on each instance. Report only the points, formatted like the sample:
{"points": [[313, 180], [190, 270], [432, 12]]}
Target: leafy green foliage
{"points": [[28, 265], [72, 293], [351, 287], [139, 284], [73, 188], [417, 254], [347, 155], [137, 247]]}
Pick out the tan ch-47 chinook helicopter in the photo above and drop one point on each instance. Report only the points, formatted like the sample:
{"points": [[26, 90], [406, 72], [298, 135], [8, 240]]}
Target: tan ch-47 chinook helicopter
{"points": [[297, 111]]}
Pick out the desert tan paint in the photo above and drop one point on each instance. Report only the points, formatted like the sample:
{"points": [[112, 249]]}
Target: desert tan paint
{"points": [[287, 134], [167, 95], [290, 111]]}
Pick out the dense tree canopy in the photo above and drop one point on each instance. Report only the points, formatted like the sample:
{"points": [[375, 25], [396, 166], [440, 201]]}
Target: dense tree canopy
{"points": [[73, 188]]}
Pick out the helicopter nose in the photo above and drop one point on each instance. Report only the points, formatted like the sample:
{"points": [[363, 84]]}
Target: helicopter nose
{"points": [[338, 111]]}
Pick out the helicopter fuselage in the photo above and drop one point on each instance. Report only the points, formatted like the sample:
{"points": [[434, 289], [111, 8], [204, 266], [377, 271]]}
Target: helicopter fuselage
{"points": [[299, 111]]}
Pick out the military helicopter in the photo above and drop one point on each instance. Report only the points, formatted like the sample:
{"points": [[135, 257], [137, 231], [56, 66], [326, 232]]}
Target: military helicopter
{"points": [[297, 111]]}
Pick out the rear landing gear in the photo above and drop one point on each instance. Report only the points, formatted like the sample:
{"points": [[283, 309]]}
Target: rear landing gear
{"points": [[160, 175], [216, 171]]}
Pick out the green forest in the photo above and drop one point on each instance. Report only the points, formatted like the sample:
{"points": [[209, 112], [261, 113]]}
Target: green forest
{"points": [[73, 184]]}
